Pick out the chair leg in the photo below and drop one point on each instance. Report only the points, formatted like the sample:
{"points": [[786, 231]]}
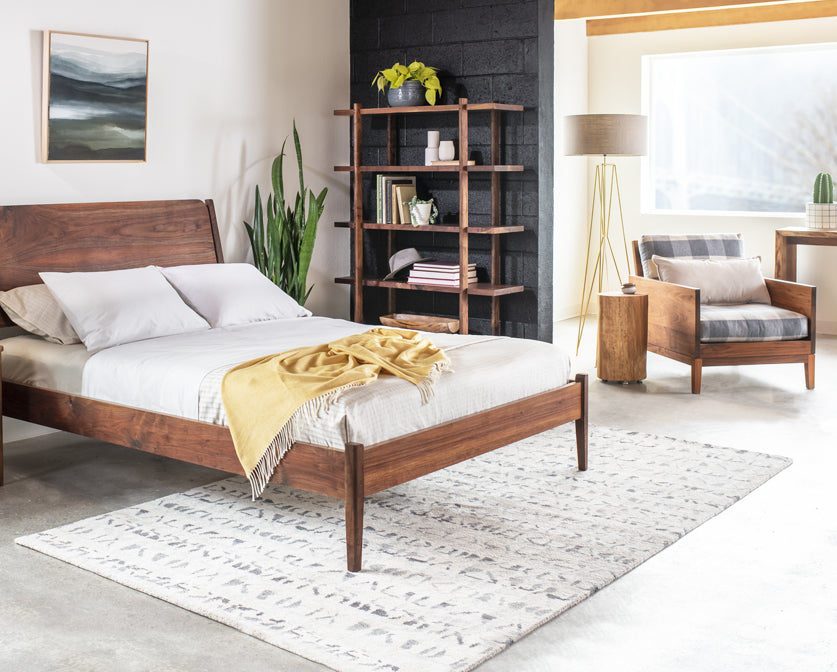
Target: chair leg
{"points": [[809, 372], [697, 370]]}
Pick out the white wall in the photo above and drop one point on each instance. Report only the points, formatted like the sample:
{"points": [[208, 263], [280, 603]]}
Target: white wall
{"points": [[615, 86], [226, 80], [571, 172]]}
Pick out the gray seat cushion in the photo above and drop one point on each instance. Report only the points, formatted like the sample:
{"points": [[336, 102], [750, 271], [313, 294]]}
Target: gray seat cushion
{"points": [[750, 322]]}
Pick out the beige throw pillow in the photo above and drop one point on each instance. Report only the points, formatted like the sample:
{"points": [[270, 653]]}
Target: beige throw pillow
{"points": [[720, 281], [35, 309]]}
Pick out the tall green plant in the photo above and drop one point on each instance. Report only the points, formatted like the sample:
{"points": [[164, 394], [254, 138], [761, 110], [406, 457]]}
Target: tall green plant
{"points": [[282, 238]]}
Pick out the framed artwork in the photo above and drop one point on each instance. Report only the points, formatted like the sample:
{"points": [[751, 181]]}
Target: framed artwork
{"points": [[95, 98]]}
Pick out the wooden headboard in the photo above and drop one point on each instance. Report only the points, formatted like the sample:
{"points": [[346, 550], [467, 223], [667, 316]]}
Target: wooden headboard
{"points": [[103, 237]]}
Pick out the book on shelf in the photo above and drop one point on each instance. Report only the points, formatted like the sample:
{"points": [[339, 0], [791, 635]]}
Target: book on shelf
{"points": [[433, 275], [384, 194], [439, 283], [440, 266], [403, 193]]}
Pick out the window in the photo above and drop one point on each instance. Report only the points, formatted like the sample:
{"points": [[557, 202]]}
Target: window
{"points": [[745, 130]]}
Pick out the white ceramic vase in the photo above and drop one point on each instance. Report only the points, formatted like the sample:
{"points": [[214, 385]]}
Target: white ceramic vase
{"points": [[446, 150], [821, 215]]}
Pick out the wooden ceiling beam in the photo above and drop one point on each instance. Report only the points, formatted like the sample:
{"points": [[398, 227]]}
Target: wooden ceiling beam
{"points": [[784, 11], [589, 9]]}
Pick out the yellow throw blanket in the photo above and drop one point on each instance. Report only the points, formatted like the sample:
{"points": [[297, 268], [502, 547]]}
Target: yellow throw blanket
{"points": [[267, 399]]}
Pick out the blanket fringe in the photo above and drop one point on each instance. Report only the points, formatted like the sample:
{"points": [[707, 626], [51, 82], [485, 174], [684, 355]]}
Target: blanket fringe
{"points": [[425, 387], [309, 412]]}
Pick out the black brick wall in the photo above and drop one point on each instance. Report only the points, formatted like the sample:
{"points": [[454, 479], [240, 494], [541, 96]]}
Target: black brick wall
{"points": [[486, 50]]}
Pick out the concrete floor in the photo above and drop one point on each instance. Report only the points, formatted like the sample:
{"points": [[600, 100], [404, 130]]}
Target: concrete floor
{"points": [[753, 589]]}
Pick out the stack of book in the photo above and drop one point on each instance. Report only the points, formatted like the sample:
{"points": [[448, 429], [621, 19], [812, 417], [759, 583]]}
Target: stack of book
{"points": [[439, 273], [393, 192]]}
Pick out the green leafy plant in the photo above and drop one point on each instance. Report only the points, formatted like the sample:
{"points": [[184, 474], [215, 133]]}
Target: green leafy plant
{"points": [[823, 189], [282, 238], [418, 72], [413, 202]]}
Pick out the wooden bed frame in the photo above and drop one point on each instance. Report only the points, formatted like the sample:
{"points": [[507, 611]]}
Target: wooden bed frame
{"points": [[107, 236]]}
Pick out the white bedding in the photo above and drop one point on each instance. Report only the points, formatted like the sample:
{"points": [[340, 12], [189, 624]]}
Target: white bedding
{"points": [[181, 375]]}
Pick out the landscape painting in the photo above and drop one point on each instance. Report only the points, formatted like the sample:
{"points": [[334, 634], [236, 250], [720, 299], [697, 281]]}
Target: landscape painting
{"points": [[95, 98]]}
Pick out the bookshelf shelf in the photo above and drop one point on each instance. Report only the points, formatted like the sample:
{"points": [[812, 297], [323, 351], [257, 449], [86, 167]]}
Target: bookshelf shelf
{"points": [[433, 169], [475, 288], [495, 229], [433, 228]]}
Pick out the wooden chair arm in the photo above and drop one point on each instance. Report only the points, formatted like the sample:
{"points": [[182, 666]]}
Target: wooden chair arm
{"points": [[673, 315], [799, 298], [793, 296]]}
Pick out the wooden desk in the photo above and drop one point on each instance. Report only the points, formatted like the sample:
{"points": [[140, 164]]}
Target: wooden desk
{"points": [[786, 241], [622, 336]]}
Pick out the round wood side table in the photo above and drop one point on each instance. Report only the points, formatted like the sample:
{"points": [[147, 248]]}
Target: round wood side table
{"points": [[622, 337]]}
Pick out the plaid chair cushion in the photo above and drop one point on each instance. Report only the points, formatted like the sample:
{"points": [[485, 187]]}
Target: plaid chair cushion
{"points": [[750, 322], [693, 246]]}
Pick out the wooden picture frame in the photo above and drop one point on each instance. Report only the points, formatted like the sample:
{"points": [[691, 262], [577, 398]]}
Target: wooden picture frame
{"points": [[95, 98]]}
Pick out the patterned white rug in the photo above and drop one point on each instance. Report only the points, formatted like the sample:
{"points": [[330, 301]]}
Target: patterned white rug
{"points": [[457, 565]]}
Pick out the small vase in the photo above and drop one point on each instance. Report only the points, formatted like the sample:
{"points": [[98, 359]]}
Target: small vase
{"points": [[821, 215], [421, 212], [446, 150], [409, 94]]}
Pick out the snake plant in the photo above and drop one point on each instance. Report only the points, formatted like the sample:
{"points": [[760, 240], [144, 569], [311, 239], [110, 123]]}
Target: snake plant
{"points": [[282, 238]]}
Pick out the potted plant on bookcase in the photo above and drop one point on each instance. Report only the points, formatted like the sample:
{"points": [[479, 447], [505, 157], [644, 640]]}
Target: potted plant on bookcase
{"points": [[422, 212], [822, 213], [409, 85]]}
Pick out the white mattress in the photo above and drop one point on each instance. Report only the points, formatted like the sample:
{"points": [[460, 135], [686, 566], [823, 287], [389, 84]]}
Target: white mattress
{"points": [[181, 375], [31, 360]]}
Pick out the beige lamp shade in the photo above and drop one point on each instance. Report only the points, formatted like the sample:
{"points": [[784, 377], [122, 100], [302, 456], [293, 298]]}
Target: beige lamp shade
{"points": [[606, 134]]}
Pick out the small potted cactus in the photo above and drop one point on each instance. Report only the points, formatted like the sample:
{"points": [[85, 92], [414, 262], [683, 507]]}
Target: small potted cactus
{"points": [[822, 213]]}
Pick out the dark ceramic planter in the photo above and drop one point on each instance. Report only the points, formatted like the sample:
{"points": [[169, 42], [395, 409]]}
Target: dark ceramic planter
{"points": [[409, 94]]}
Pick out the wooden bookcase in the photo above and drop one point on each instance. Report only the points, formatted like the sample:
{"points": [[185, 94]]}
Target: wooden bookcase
{"points": [[494, 229]]}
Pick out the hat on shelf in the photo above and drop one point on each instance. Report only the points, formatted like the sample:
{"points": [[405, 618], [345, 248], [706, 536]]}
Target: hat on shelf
{"points": [[403, 258]]}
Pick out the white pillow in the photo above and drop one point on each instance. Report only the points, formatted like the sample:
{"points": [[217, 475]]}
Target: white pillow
{"points": [[230, 294], [108, 308], [34, 308], [720, 281]]}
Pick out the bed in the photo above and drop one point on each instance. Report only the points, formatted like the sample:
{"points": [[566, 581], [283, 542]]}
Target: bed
{"points": [[108, 236]]}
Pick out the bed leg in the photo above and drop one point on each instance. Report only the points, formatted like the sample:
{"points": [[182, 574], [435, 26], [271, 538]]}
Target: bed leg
{"points": [[581, 423], [1, 428], [354, 505]]}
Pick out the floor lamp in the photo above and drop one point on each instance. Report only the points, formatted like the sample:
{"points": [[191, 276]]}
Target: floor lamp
{"points": [[605, 135]]}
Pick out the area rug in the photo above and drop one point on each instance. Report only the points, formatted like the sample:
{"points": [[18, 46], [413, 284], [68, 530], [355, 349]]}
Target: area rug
{"points": [[457, 565]]}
